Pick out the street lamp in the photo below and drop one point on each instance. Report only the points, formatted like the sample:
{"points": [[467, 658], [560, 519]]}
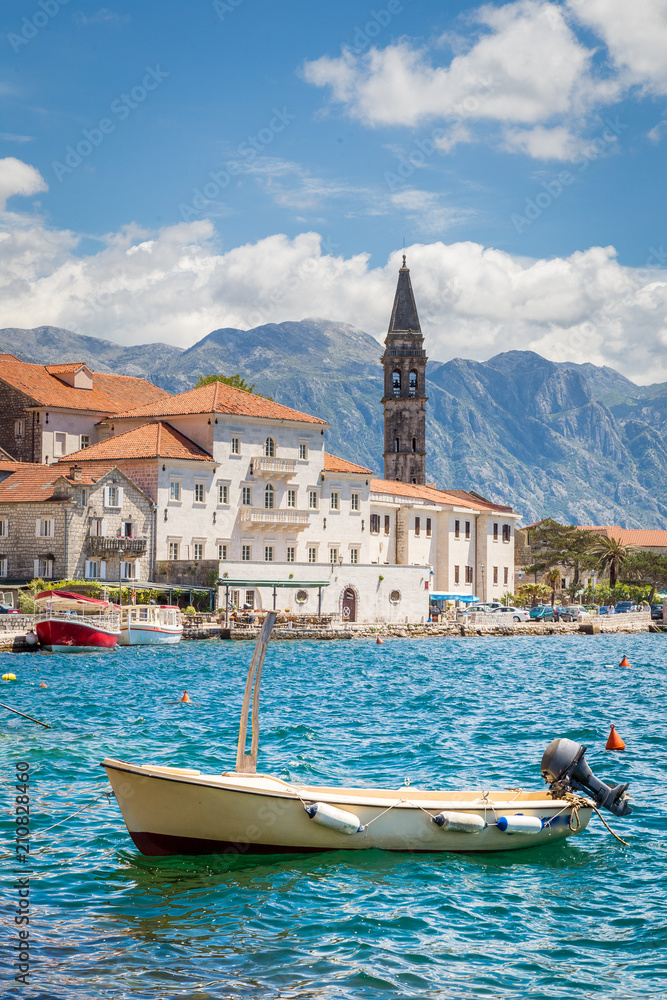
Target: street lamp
{"points": [[483, 587]]}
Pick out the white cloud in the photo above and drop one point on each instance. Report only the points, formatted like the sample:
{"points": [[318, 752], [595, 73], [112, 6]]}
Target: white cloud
{"points": [[19, 178], [175, 285]]}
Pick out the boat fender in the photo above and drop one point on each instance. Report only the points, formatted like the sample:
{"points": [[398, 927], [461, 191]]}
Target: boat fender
{"points": [[520, 824], [459, 822], [334, 819]]}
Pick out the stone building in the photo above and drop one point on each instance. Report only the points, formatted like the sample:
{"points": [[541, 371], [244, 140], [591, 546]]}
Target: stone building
{"points": [[67, 523], [49, 411]]}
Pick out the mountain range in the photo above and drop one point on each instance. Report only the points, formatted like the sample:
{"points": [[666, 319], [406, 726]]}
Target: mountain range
{"points": [[576, 442]]}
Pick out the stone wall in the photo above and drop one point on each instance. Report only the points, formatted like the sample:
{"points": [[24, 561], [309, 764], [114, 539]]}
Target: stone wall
{"points": [[13, 403]]}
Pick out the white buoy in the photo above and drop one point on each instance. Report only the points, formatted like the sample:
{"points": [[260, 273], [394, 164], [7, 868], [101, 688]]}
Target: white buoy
{"points": [[459, 822], [334, 819], [519, 824]]}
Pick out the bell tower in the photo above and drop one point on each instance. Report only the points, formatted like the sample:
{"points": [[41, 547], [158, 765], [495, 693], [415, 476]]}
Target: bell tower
{"points": [[404, 399]]}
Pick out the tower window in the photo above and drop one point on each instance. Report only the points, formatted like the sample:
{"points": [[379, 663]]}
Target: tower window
{"points": [[396, 383], [413, 384], [414, 444], [396, 445]]}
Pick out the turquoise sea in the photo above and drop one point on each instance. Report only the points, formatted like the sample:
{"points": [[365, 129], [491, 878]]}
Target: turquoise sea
{"points": [[587, 918]]}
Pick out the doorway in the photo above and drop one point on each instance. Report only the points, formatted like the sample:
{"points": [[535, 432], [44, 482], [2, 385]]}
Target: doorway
{"points": [[349, 605]]}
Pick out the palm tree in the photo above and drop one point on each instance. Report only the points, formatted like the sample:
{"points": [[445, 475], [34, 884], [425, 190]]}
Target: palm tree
{"points": [[553, 578], [611, 554]]}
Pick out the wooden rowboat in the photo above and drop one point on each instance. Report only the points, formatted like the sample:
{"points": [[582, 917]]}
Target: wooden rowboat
{"points": [[172, 810]]}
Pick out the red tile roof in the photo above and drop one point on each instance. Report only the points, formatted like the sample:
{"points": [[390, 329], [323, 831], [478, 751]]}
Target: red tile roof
{"points": [[456, 498], [642, 537], [334, 464], [35, 483], [110, 393], [153, 440], [72, 366], [219, 398]]}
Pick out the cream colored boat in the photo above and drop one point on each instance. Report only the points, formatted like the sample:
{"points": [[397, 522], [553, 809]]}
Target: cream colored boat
{"points": [[170, 810]]}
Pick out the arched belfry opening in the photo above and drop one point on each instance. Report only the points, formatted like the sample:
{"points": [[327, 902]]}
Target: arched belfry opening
{"points": [[404, 399]]}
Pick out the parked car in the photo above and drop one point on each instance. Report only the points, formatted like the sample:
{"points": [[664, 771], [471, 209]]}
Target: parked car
{"points": [[607, 609], [656, 612], [624, 606], [5, 609], [486, 608], [517, 614], [542, 613], [572, 613]]}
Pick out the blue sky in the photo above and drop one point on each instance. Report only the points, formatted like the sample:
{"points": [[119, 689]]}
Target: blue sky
{"points": [[218, 151]]}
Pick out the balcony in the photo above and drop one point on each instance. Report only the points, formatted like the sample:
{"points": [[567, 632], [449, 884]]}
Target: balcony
{"points": [[270, 517], [274, 466], [98, 544]]}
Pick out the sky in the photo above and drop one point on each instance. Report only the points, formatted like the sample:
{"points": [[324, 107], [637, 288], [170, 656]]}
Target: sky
{"points": [[167, 169]]}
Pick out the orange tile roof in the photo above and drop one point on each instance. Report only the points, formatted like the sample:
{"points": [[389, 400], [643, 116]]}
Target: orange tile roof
{"points": [[630, 536], [334, 464], [219, 398], [73, 366], [153, 440], [35, 483], [457, 498], [110, 393]]}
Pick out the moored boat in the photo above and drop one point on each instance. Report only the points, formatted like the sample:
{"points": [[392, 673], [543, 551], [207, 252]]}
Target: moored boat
{"points": [[176, 810], [67, 622], [150, 625]]}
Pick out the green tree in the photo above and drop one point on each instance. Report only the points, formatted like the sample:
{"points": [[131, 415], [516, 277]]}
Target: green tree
{"points": [[553, 578], [553, 544], [610, 555], [236, 382], [531, 593], [646, 568]]}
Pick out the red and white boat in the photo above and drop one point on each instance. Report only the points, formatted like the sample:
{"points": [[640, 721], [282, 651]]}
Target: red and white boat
{"points": [[74, 623]]}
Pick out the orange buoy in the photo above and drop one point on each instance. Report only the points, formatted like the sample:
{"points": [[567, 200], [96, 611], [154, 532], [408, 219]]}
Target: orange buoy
{"points": [[624, 662], [614, 742], [379, 641], [42, 685], [185, 697]]}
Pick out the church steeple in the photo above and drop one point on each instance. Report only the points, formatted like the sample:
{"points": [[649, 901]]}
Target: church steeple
{"points": [[404, 399]]}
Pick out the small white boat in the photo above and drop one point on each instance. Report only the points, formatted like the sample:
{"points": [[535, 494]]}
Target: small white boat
{"points": [[150, 625], [67, 622], [175, 810]]}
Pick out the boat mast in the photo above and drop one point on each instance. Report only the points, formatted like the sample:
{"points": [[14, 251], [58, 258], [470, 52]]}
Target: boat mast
{"points": [[247, 763]]}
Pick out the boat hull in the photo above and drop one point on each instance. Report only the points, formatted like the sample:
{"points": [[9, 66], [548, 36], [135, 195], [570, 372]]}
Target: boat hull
{"points": [[59, 635], [149, 635], [177, 811]]}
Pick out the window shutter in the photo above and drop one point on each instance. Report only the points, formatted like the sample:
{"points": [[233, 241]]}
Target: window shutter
{"points": [[103, 570], [106, 496], [103, 527], [120, 496], [87, 569], [35, 568], [38, 528]]}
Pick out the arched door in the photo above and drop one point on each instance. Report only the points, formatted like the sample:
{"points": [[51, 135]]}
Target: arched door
{"points": [[349, 605]]}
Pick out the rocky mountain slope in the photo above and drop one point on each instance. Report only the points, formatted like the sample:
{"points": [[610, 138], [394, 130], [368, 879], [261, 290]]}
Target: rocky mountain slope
{"points": [[576, 442]]}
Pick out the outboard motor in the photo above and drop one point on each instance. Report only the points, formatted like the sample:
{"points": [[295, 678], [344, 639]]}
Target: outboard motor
{"points": [[563, 763]]}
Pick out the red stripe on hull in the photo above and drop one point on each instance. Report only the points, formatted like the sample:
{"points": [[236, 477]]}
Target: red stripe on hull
{"points": [[65, 634]]}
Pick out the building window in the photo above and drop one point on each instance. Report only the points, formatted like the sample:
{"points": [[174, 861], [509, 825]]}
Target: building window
{"points": [[83, 497], [85, 441], [312, 499], [246, 496], [93, 570], [414, 445], [19, 428], [270, 448], [268, 553], [467, 531], [457, 529], [291, 553], [396, 384], [97, 527], [506, 574], [468, 574], [397, 445], [4, 566], [375, 524], [198, 551], [495, 532], [269, 497], [129, 571], [301, 596], [417, 526], [59, 444], [223, 493], [312, 554], [4, 527], [387, 524], [413, 385], [428, 527], [249, 599], [354, 556], [303, 452], [291, 498], [236, 446], [174, 490], [333, 555], [495, 574], [174, 550], [223, 551], [45, 527], [199, 493], [354, 501], [395, 596], [45, 568], [507, 532], [457, 574], [335, 500], [246, 553], [234, 598]]}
